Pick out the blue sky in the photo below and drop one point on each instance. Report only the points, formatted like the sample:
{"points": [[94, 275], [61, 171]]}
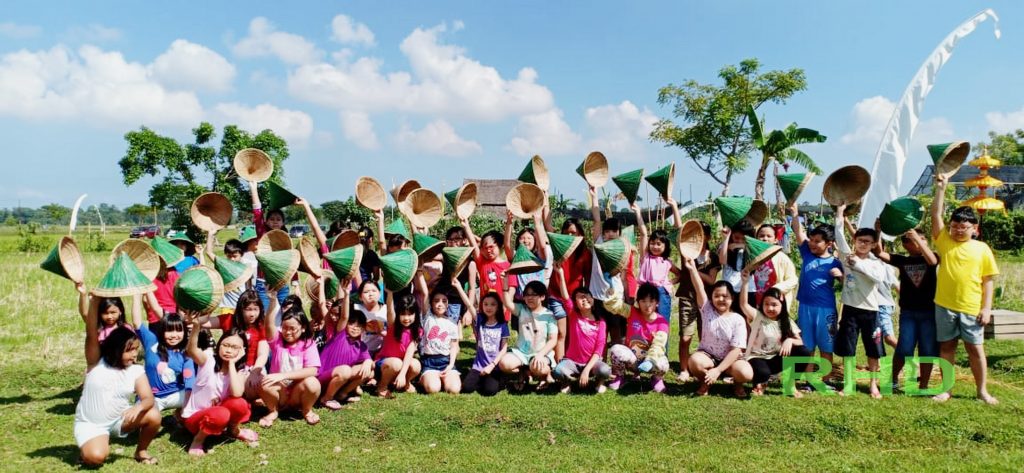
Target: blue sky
{"points": [[439, 91]]}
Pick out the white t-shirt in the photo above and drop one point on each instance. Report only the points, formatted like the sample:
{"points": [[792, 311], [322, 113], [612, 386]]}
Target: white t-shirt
{"points": [[107, 393], [721, 332], [376, 324], [766, 337], [210, 388], [602, 286], [438, 333]]}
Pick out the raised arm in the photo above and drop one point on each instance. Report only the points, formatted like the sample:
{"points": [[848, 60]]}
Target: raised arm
{"points": [[210, 238], [510, 248], [345, 307], [389, 300], [192, 350], [382, 246], [257, 209], [939, 205], [678, 219], [470, 310], [270, 321], [92, 333], [314, 224], [83, 300], [930, 258], [542, 236], [474, 242], [798, 229], [641, 228], [595, 213], [723, 248], [546, 214], [748, 311], [137, 311], [879, 250], [698, 285], [506, 292], [842, 246]]}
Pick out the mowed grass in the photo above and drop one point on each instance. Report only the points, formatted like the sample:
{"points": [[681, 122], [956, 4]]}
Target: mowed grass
{"points": [[41, 370]]}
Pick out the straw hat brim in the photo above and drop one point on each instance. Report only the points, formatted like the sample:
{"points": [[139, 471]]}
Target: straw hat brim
{"points": [[691, 239], [211, 211], [423, 208], [65, 260], [431, 252], [846, 185], [952, 158], [595, 169], [274, 240], [758, 213], [402, 192], [524, 267], [312, 287], [345, 239], [761, 258], [525, 200], [238, 281], [465, 200], [309, 257], [143, 255], [253, 165], [370, 194]]}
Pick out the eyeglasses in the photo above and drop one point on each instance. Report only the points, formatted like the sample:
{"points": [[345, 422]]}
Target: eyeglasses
{"points": [[962, 226], [231, 346]]}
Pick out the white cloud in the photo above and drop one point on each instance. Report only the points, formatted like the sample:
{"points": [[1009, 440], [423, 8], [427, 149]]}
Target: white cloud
{"points": [[16, 31], [1005, 122], [357, 128], [620, 131], [438, 137], [545, 134], [292, 125], [96, 85], [870, 116], [187, 65], [92, 33], [346, 31], [264, 40]]}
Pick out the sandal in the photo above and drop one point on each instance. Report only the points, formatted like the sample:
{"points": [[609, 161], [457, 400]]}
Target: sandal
{"points": [[333, 405], [312, 418], [247, 435]]}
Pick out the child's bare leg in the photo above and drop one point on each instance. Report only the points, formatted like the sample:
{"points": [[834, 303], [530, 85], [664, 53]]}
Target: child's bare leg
{"points": [[196, 449], [388, 372], [305, 395], [414, 370], [947, 350], [353, 382], [873, 366], [976, 355], [684, 357], [339, 377], [95, 451], [148, 424], [452, 382], [742, 373], [699, 365], [431, 381], [271, 396]]}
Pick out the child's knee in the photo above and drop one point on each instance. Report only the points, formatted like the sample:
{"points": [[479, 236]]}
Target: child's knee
{"points": [[151, 418], [311, 385], [94, 452]]}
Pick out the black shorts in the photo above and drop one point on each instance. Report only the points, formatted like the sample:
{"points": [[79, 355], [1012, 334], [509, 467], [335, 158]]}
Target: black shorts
{"points": [[864, 323]]}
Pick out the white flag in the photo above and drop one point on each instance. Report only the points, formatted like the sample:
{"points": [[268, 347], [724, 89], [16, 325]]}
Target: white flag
{"points": [[887, 171]]}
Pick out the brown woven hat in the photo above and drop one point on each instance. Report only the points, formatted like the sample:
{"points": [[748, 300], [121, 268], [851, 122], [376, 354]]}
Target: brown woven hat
{"points": [[143, 255], [691, 239], [594, 169], [536, 172], [846, 185], [370, 194], [274, 240], [347, 238], [211, 211], [402, 192], [253, 165], [65, 260], [309, 257], [464, 200], [331, 286], [525, 200], [758, 213], [422, 207]]}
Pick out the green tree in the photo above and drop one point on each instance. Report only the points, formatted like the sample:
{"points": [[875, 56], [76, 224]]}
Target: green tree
{"points": [[55, 213], [777, 146], [182, 166], [348, 212], [1006, 147], [713, 128], [139, 212]]}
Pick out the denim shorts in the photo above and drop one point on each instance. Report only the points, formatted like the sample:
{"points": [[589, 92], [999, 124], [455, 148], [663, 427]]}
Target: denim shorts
{"points": [[434, 362], [885, 320]]}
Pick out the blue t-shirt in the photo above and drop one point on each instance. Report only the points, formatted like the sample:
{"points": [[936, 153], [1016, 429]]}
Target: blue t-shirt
{"points": [[488, 341], [166, 378], [815, 280], [186, 263]]}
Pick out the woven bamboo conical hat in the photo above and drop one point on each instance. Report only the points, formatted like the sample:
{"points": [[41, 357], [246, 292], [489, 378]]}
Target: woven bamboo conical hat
{"points": [[594, 169], [758, 213], [792, 185], [331, 286], [562, 245], [662, 180], [211, 211], [309, 257], [345, 262], [628, 233], [846, 185], [123, 279], [901, 215], [423, 208], [732, 209], [248, 233], [398, 269], [345, 239], [143, 255], [455, 259], [402, 192], [691, 239], [948, 157], [629, 184], [234, 274], [65, 260], [170, 254], [253, 165], [398, 227], [274, 240], [613, 255], [370, 194], [426, 246], [758, 252], [524, 262], [199, 289], [278, 197], [278, 267], [536, 172], [525, 200], [463, 199]]}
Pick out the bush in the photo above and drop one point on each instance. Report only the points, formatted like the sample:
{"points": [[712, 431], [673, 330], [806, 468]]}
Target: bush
{"points": [[29, 241], [1003, 231]]}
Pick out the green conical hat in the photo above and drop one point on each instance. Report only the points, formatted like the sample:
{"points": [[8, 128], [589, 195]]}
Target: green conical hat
{"points": [[594, 169], [793, 184], [450, 196], [524, 262], [758, 252], [397, 227], [629, 234], [199, 289], [455, 259], [426, 246], [536, 172], [123, 279], [278, 197], [247, 234], [901, 215], [345, 262], [629, 183], [345, 239], [613, 255], [733, 209], [331, 285], [399, 268], [563, 245], [278, 267], [65, 260], [171, 254], [948, 157], [234, 274], [662, 180]]}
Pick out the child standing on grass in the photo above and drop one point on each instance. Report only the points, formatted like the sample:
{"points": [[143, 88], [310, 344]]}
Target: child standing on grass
{"points": [[965, 283], [646, 334], [582, 361], [534, 353], [396, 359], [492, 336], [345, 362], [169, 371], [112, 380], [656, 266], [773, 336], [604, 286], [440, 344], [575, 270], [863, 273], [294, 364], [723, 338]]}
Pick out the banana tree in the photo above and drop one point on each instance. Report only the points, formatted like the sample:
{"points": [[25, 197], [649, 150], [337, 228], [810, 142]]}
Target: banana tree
{"points": [[777, 146]]}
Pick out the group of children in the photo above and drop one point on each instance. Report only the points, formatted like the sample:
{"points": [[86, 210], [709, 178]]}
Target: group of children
{"points": [[577, 325]]}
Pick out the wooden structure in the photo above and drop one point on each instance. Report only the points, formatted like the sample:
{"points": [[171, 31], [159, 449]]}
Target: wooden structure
{"points": [[1005, 325]]}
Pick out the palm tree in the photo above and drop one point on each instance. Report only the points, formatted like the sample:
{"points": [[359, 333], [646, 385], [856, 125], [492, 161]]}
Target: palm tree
{"points": [[778, 146]]}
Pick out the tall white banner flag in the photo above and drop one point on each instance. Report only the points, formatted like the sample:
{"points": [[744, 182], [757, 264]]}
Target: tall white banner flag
{"points": [[887, 171]]}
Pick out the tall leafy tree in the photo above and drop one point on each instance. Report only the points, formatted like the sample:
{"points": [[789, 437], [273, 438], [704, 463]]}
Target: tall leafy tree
{"points": [[778, 146], [713, 128], [1006, 147]]}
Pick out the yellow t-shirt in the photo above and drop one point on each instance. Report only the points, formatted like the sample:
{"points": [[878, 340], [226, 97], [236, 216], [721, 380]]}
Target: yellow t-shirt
{"points": [[962, 265]]}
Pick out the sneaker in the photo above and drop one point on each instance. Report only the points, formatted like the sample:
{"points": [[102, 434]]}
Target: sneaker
{"points": [[658, 385], [615, 384]]}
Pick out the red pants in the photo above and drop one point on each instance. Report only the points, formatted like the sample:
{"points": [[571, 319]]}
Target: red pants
{"points": [[213, 420]]}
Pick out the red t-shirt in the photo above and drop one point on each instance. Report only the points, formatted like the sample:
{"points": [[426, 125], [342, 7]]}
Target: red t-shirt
{"points": [[164, 295], [254, 335], [576, 269], [489, 271]]}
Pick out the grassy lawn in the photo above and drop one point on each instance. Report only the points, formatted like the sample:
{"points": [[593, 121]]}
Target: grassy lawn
{"points": [[41, 369]]}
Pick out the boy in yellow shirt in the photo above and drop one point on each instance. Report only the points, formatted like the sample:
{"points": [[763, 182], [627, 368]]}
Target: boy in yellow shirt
{"points": [[964, 288]]}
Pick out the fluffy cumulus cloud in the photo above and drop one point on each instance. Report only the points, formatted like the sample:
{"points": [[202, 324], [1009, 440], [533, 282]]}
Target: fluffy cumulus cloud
{"points": [[292, 125], [437, 137], [1005, 122], [345, 30], [358, 128], [620, 131], [16, 31], [870, 116], [264, 40], [187, 65], [545, 134]]}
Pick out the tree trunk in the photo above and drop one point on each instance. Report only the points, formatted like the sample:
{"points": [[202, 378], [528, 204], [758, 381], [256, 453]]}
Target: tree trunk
{"points": [[728, 181], [759, 182]]}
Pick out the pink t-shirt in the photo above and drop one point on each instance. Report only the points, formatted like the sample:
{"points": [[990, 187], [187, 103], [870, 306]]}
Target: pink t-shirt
{"points": [[210, 388], [586, 338], [640, 331], [396, 348], [655, 270], [720, 333], [298, 355]]}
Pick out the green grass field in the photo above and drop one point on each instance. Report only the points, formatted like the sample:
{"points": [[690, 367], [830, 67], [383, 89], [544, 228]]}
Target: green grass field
{"points": [[41, 369]]}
